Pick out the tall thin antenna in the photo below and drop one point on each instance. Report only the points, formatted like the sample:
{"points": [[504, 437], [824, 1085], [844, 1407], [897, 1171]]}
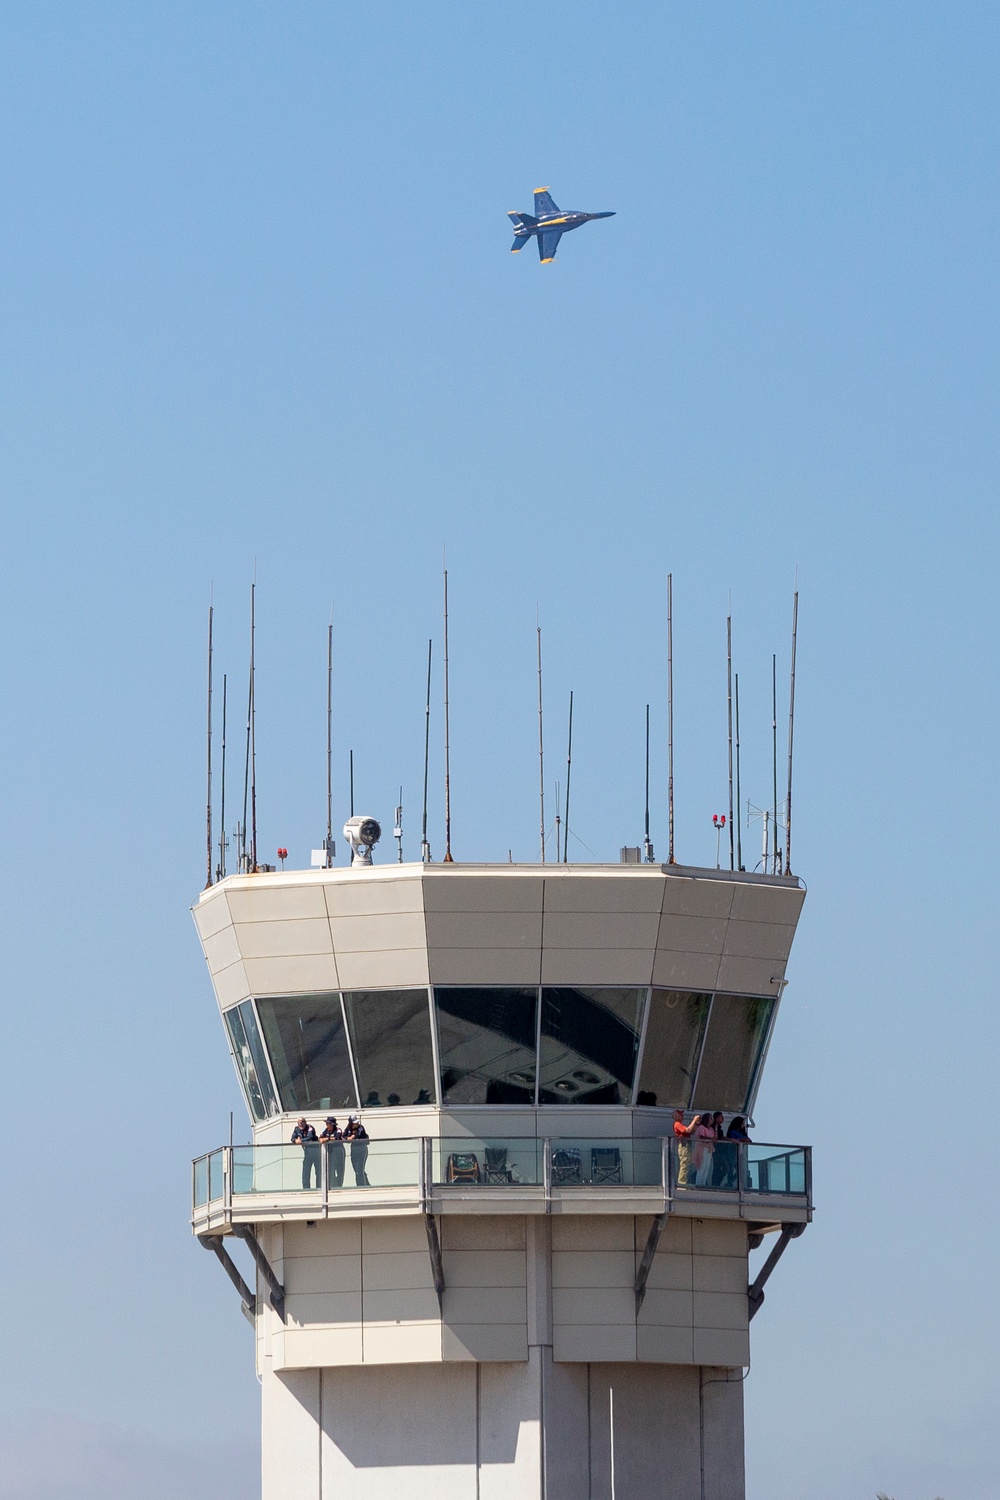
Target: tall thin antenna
{"points": [[253, 729], [328, 846], [223, 841], [447, 738], [558, 827], [246, 763], [352, 783], [541, 748], [208, 804], [569, 767], [739, 806], [791, 730], [397, 830], [646, 845], [729, 700], [425, 848], [774, 762], [670, 714]]}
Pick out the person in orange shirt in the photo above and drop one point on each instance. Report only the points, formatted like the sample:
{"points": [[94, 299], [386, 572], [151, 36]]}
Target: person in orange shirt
{"points": [[682, 1138]]}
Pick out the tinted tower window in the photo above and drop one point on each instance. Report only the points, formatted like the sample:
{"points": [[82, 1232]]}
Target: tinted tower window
{"points": [[486, 1043]]}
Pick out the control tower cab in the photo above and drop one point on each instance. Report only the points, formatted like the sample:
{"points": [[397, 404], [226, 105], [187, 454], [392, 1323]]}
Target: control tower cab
{"points": [[519, 1279]]}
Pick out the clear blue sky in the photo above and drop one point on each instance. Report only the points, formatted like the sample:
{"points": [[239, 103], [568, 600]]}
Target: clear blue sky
{"points": [[257, 306]]}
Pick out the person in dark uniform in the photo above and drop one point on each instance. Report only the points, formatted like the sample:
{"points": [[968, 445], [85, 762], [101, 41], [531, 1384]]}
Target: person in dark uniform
{"points": [[358, 1137], [304, 1135], [335, 1153]]}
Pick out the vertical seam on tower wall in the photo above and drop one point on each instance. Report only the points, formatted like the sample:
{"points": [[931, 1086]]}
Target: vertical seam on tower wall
{"points": [[479, 1409], [320, 1436], [590, 1448]]}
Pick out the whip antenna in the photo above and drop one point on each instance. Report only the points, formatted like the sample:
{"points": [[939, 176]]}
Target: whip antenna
{"points": [[569, 766], [447, 738], [647, 846], [328, 846], [774, 761], [208, 803], [352, 783], [739, 818], [791, 729], [253, 730], [425, 848], [670, 715], [246, 764], [729, 700], [541, 746]]}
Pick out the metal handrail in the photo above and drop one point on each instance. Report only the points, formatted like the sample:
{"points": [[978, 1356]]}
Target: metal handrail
{"points": [[425, 1185]]}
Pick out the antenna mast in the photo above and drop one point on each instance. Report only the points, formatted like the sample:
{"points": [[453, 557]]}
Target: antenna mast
{"points": [[328, 846], [397, 831], [352, 783], [253, 732], [670, 714], [541, 748], [739, 811], [558, 827], [729, 699], [791, 728], [425, 848], [569, 767], [447, 738], [223, 841], [208, 804], [774, 762], [246, 763], [647, 846]]}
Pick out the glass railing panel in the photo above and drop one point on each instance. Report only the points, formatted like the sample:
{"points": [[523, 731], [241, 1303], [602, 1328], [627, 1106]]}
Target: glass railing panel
{"points": [[289, 1169], [732, 1166], [592, 1162], [378, 1164], [775, 1169], [493, 1161], [216, 1176], [199, 1183]]}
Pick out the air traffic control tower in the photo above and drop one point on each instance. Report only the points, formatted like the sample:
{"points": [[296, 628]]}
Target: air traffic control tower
{"points": [[523, 1286]]}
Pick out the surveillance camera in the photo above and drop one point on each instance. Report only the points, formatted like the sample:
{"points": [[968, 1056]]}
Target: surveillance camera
{"points": [[362, 834]]}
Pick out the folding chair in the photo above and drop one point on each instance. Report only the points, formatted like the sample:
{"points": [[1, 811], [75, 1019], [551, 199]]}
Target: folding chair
{"points": [[463, 1167], [567, 1167], [496, 1168], [605, 1164]]}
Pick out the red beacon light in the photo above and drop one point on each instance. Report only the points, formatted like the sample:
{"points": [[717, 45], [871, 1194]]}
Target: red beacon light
{"points": [[282, 855]]}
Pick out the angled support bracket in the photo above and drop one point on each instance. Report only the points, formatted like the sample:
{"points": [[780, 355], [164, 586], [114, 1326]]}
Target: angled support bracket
{"points": [[755, 1293], [276, 1292], [248, 1300], [434, 1248], [646, 1264]]}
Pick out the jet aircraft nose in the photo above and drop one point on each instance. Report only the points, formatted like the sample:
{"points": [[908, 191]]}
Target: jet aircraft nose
{"points": [[608, 214]]}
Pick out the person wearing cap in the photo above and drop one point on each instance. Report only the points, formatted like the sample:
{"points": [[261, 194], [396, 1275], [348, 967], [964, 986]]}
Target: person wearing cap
{"points": [[335, 1154], [304, 1135], [358, 1137], [682, 1137]]}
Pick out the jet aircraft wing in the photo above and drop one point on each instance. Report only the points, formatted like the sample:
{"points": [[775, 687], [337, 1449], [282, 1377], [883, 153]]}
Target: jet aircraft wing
{"points": [[548, 243], [544, 204]]}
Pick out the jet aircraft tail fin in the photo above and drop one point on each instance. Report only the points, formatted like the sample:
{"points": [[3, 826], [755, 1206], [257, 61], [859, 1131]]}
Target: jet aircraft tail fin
{"points": [[520, 242], [522, 221]]}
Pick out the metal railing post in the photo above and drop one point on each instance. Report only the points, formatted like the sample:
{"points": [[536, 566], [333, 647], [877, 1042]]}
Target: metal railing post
{"points": [[324, 1177], [227, 1178], [547, 1173], [424, 1171]]}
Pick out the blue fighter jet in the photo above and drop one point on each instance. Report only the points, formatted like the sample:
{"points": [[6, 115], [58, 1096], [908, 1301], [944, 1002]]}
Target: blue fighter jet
{"points": [[548, 224]]}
